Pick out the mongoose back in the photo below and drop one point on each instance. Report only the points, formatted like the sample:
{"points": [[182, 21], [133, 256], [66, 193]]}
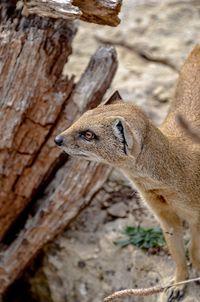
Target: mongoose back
{"points": [[163, 164]]}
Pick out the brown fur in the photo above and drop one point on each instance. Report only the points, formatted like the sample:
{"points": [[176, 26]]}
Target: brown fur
{"points": [[162, 163]]}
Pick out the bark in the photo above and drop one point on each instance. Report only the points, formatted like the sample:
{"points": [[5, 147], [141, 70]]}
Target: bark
{"points": [[36, 104], [101, 12], [32, 96]]}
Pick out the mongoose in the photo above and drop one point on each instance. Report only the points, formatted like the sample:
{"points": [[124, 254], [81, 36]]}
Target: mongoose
{"points": [[163, 164]]}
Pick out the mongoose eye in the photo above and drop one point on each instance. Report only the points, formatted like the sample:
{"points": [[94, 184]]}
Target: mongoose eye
{"points": [[87, 135]]}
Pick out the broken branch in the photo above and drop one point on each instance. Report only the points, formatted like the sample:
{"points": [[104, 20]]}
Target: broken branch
{"points": [[100, 12], [145, 291]]}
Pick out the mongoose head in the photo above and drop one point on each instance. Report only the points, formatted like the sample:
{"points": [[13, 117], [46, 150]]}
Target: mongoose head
{"points": [[109, 133]]}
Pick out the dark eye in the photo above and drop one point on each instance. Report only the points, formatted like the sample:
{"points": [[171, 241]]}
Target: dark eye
{"points": [[87, 135]]}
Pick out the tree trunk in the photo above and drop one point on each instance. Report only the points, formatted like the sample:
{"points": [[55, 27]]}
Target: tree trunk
{"points": [[33, 94], [36, 103]]}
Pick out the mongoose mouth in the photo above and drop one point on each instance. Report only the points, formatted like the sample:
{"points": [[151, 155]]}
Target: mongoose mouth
{"points": [[90, 157], [78, 154]]}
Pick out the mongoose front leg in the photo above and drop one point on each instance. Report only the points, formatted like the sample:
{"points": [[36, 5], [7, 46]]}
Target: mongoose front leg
{"points": [[195, 246], [172, 228]]}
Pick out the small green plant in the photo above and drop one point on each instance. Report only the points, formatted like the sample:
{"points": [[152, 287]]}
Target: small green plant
{"points": [[142, 237]]}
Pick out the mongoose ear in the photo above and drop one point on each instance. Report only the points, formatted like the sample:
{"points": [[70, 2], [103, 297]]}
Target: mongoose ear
{"points": [[123, 131], [113, 99]]}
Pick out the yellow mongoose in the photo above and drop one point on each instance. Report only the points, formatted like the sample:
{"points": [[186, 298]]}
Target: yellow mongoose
{"points": [[164, 164]]}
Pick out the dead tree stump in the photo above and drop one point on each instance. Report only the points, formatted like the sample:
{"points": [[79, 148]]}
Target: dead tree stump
{"points": [[36, 103]]}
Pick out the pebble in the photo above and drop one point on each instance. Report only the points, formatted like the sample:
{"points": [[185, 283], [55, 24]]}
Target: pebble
{"points": [[118, 210]]}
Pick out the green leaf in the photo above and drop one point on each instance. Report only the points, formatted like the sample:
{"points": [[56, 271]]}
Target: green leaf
{"points": [[142, 237]]}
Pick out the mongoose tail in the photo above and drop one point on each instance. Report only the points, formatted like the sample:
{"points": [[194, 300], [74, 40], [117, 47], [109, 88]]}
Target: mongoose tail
{"points": [[186, 100]]}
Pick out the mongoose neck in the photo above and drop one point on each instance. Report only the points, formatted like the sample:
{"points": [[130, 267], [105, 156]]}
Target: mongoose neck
{"points": [[158, 155]]}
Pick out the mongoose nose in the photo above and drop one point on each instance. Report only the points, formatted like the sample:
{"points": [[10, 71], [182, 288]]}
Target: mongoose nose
{"points": [[59, 140]]}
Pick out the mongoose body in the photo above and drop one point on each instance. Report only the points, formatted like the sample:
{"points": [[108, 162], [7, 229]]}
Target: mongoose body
{"points": [[164, 164]]}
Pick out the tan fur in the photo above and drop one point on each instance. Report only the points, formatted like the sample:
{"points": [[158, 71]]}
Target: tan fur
{"points": [[162, 163]]}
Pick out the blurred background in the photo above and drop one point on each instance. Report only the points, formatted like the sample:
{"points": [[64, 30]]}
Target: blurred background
{"points": [[83, 264]]}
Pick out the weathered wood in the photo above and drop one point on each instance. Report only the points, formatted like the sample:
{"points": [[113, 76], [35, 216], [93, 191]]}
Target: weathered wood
{"points": [[74, 184], [32, 95], [29, 114], [52, 9], [36, 103], [101, 12]]}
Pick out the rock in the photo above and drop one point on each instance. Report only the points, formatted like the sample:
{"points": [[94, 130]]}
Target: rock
{"points": [[118, 210], [118, 177], [161, 95], [190, 299], [153, 278]]}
